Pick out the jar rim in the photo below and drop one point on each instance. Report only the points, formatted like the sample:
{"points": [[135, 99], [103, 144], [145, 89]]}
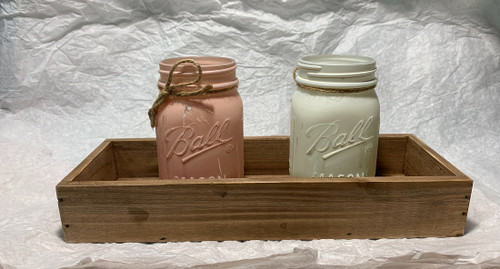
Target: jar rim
{"points": [[354, 62], [207, 63], [218, 71], [336, 71]]}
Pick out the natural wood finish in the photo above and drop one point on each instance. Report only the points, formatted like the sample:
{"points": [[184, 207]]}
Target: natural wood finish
{"points": [[266, 155], [263, 156], [391, 155], [133, 205], [135, 157], [99, 165], [422, 160]]}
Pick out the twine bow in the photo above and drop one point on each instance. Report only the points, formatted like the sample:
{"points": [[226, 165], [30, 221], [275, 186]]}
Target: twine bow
{"points": [[169, 90]]}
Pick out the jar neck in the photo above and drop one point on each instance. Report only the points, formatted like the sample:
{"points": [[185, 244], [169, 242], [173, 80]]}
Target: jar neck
{"points": [[211, 94]]}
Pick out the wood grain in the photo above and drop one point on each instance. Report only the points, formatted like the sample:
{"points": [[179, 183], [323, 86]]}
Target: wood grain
{"points": [[391, 155], [99, 165], [133, 205], [136, 157], [263, 156], [266, 155], [420, 161], [268, 211]]}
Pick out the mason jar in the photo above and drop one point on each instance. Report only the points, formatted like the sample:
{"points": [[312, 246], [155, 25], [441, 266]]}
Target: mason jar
{"points": [[335, 117], [199, 124]]}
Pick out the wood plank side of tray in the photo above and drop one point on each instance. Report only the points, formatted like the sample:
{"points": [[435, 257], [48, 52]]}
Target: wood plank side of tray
{"points": [[264, 209], [263, 156], [130, 204]]}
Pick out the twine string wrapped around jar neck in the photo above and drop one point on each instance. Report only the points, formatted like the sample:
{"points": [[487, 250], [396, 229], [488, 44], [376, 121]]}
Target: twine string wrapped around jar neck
{"points": [[169, 90], [328, 90]]}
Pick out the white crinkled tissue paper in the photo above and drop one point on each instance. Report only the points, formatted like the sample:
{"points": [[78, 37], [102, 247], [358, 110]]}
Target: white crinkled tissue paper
{"points": [[73, 73]]}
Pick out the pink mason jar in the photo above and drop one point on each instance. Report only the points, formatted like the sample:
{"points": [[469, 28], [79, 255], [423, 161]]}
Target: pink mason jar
{"points": [[198, 118]]}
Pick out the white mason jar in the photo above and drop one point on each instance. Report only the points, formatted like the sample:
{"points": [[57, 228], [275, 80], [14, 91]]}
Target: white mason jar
{"points": [[335, 117]]}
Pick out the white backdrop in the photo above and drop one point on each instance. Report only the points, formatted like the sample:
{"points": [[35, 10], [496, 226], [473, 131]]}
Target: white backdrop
{"points": [[73, 73]]}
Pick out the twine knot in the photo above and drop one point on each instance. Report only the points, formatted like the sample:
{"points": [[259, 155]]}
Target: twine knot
{"points": [[170, 90]]}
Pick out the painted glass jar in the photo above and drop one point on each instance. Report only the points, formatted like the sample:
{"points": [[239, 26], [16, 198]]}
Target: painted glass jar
{"points": [[198, 118], [335, 117]]}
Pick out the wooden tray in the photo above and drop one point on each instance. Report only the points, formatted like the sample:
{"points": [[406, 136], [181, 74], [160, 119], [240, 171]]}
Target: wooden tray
{"points": [[115, 195]]}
